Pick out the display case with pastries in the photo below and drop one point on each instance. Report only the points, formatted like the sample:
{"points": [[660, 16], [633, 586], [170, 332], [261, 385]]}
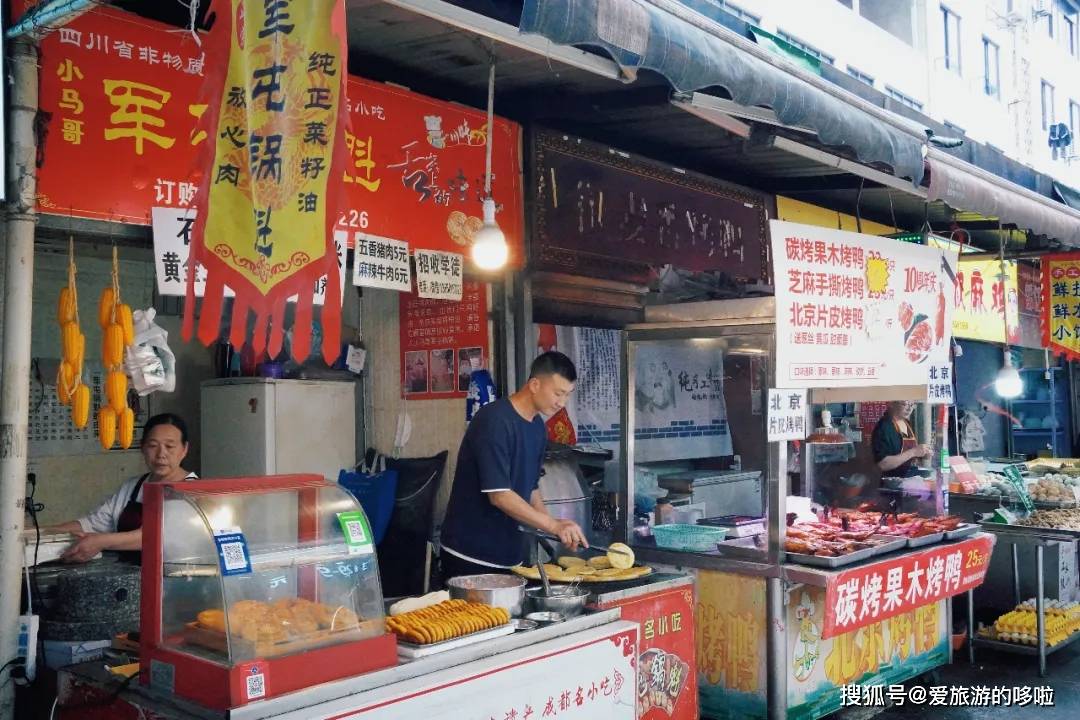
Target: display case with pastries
{"points": [[266, 576]]}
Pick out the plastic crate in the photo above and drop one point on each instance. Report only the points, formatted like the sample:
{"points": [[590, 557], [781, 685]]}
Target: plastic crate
{"points": [[691, 538]]}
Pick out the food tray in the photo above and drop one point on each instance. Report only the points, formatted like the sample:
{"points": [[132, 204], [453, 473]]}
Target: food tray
{"points": [[412, 650], [962, 531], [688, 538], [196, 634], [925, 540], [531, 574], [832, 562], [888, 544]]}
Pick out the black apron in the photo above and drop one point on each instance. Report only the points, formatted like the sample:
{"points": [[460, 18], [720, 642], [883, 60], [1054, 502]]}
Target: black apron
{"points": [[131, 519]]}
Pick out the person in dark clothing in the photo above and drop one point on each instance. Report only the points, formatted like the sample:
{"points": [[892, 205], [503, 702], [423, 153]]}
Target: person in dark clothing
{"points": [[894, 443], [496, 482]]}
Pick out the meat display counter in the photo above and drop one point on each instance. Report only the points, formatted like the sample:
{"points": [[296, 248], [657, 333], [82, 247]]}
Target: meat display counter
{"points": [[776, 636]]}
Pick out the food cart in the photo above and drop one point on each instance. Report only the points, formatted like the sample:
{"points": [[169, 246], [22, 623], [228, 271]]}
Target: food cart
{"points": [[777, 634]]}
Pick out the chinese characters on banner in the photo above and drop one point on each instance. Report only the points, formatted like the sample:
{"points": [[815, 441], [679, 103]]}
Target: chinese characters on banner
{"points": [[869, 414], [439, 275], [267, 207], [939, 388], [1029, 278], [667, 669], [986, 302], [381, 263], [787, 415], [172, 243], [870, 593], [1061, 314], [858, 310], [730, 632], [124, 90], [442, 343]]}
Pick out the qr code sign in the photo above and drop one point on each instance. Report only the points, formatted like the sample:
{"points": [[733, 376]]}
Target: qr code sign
{"points": [[256, 686], [233, 555], [355, 531]]}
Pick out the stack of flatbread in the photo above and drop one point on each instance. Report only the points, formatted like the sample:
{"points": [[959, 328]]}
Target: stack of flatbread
{"points": [[613, 567]]}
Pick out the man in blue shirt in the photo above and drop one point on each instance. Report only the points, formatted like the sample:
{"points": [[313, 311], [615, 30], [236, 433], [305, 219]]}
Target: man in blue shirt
{"points": [[496, 483]]}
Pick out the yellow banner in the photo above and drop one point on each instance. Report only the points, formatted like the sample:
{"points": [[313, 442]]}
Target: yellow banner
{"points": [[1061, 311], [986, 301], [266, 208]]}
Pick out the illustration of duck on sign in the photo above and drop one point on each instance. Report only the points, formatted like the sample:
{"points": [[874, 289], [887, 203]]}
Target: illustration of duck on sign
{"points": [[806, 646]]}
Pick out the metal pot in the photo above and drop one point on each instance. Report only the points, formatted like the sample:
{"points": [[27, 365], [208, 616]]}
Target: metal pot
{"points": [[568, 602], [505, 591]]}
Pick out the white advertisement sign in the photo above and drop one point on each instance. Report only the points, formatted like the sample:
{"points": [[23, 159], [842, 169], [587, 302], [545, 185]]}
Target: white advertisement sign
{"points": [[787, 415], [439, 275], [381, 263], [939, 386], [679, 407], [858, 310], [172, 228], [586, 676]]}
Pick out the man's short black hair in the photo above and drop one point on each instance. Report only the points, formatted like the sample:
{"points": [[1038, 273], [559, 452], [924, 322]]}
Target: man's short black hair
{"points": [[553, 363]]}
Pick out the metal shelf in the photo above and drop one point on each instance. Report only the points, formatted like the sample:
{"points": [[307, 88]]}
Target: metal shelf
{"points": [[1034, 431], [1024, 649]]}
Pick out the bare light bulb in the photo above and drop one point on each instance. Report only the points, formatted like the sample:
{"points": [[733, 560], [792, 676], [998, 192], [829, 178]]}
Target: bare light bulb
{"points": [[1008, 383], [489, 249]]}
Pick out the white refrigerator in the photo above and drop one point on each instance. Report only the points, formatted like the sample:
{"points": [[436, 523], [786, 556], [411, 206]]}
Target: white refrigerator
{"points": [[265, 426]]}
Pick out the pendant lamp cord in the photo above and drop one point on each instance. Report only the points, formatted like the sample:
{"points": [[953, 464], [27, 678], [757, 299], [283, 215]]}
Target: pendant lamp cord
{"points": [[490, 128]]}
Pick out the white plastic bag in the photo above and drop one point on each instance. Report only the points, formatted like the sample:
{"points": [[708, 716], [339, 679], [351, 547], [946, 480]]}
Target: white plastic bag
{"points": [[149, 362]]}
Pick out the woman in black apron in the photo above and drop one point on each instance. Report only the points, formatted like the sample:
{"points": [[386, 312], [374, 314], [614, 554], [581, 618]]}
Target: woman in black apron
{"points": [[116, 524], [896, 449]]}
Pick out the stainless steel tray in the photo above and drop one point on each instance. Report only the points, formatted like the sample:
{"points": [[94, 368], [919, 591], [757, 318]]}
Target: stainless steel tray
{"points": [[750, 547], [889, 543], [832, 562], [962, 531], [925, 540], [412, 650], [1029, 530]]}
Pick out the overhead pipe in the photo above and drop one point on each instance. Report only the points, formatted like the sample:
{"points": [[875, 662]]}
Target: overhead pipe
{"points": [[45, 16], [20, 220]]}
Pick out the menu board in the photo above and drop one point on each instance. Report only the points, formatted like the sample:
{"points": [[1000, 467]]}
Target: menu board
{"points": [[442, 343], [856, 310]]}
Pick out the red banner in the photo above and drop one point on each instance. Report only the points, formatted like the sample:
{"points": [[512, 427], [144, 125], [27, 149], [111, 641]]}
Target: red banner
{"points": [[667, 667], [442, 342], [868, 594], [122, 91], [1061, 304]]}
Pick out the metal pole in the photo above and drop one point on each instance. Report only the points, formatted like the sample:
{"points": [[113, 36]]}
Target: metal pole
{"points": [[971, 625], [1016, 573], [15, 370], [776, 650], [1040, 610]]}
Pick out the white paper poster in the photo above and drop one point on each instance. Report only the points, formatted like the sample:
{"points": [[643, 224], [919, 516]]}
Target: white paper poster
{"points": [[679, 407], [939, 386], [787, 415], [172, 243], [439, 275], [381, 263], [858, 310]]}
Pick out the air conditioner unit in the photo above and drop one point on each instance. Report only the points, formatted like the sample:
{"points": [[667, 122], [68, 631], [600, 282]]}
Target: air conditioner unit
{"points": [[1039, 9]]}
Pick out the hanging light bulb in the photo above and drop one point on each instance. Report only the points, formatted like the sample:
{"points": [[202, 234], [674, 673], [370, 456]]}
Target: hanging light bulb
{"points": [[1008, 383], [489, 249]]}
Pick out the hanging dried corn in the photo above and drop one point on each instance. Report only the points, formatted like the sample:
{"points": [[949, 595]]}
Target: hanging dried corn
{"points": [[117, 334], [69, 385]]}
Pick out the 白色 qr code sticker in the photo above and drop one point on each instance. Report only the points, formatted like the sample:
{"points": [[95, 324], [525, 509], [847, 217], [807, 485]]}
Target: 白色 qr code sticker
{"points": [[355, 530], [233, 555], [256, 686]]}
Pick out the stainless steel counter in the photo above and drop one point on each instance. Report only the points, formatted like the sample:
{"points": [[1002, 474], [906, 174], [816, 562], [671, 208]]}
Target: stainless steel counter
{"points": [[653, 583]]}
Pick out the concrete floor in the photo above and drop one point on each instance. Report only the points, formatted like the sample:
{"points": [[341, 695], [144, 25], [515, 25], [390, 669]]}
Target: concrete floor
{"points": [[991, 669]]}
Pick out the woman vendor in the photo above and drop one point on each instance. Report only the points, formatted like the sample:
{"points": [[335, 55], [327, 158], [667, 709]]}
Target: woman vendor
{"points": [[895, 446], [116, 524]]}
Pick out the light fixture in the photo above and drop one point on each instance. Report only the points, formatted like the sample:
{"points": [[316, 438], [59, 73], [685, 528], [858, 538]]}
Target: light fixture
{"points": [[1008, 384], [489, 249]]}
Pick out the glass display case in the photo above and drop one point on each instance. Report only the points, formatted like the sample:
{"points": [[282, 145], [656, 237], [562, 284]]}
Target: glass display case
{"points": [[257, 573]]}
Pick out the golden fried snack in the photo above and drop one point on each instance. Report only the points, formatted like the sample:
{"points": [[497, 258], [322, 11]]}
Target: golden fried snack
{"points": [[446, 621], [569, 562], [600, 563], [212, 620], [623, 560]]}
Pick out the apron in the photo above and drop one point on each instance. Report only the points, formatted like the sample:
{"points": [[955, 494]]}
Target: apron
{"points": [[131, 519], [908, 441]]}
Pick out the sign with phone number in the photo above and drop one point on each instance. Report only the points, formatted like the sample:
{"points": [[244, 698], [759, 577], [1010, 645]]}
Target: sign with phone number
{"points": [[871, 593]]}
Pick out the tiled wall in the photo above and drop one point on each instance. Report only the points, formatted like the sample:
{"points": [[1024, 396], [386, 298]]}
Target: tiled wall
{"points": [[437, 425]]}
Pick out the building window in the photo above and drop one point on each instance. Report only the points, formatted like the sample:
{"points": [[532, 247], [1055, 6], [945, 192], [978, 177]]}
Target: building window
{"points": [[1068, 31], [1074, 120], [805, 47], [991, 68], [955, 128], [951, 23], [902, 98], [896, 17], [846, 3], [740, 13], [860, 75], [1047, 105], [1049, 22]]}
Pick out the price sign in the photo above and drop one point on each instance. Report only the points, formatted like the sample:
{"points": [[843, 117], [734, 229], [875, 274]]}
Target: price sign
{"points": [[1012, 473]]}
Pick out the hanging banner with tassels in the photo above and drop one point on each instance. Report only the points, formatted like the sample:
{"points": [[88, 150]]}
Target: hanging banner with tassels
{"points": [[272, 170], [1061, 304]]}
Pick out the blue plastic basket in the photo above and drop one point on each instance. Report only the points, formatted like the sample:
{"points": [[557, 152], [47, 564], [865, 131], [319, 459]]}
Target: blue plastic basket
{"points": [[375, 493], [691, 538]]}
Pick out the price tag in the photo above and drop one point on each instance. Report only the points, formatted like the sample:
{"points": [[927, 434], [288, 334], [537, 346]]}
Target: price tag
{"points": [[357, 531], [232, 550], [1012, 473]]}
